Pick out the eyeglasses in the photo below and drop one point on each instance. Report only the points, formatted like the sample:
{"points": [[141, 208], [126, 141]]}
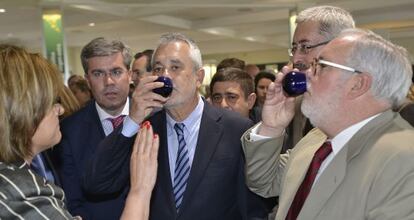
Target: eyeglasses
{"points": [[114, 73], [324, 63], [304, 48]]}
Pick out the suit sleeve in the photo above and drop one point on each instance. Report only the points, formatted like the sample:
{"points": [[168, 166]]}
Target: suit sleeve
{"points": [[264, 164], [108, 170]]}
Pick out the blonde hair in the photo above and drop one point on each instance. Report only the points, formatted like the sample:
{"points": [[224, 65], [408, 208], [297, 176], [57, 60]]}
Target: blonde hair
{"points": [[28, 88]]}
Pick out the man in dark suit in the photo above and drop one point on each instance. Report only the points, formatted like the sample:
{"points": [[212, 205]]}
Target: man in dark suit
{"points": [[106, 65], [200, 172]]}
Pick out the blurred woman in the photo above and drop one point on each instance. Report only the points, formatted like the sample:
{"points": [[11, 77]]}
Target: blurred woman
{"points": [[29, 124]]}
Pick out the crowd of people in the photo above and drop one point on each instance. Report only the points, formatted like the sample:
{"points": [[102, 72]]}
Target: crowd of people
{"points": [[107, 147]]}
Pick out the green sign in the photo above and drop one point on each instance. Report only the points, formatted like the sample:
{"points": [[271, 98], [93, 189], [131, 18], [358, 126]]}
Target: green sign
{"points": [[53, 35]]}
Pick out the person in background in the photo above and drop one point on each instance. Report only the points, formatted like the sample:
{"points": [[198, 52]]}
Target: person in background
{"points": [[82, 92], [141, 66], [107, 69], [233, 89], [316, 26], [252, 70], [360, 161], [200, 173], [261, 82], [230, 62], [73, 79]]}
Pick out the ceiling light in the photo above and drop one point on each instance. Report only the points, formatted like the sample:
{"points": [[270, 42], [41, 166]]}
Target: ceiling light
{"points": [[2, 10], [91, 24]]}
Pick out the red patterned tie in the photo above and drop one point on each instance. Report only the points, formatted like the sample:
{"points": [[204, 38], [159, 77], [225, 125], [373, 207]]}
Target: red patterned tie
{"points": [[117, 121], [307, 183]]}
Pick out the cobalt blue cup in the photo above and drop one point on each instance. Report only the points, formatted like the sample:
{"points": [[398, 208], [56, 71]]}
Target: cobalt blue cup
{"points": [[294, 83], [166, 89]]}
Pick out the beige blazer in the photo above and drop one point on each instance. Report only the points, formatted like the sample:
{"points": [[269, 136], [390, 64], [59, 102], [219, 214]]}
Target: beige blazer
{"points": [[372, 177]]}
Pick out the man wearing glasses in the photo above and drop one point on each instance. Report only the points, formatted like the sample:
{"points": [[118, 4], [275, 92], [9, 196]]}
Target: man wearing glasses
{"points": [[107, 70], [357, 162], [316, 26]]}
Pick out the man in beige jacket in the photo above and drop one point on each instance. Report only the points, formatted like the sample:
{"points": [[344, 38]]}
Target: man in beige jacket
{"points": [[352, 87]]}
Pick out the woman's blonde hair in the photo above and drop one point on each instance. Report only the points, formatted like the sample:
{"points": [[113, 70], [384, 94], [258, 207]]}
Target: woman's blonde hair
{"points": [[28, 89]]}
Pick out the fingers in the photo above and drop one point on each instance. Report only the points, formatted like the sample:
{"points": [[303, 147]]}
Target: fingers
{"points": [[155, 147], [146, 143]]}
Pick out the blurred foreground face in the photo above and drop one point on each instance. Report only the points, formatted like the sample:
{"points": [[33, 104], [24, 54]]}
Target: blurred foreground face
{"points": [[229, 95], [109, 81]]}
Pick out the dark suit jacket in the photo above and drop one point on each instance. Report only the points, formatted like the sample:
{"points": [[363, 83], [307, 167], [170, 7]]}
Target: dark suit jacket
{"points": [[215, 189], [81, 134]]}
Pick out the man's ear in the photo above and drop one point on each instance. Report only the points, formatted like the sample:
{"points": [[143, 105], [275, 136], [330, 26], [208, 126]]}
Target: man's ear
{"points": [[360, 84], [200, 76], [251, 99]]}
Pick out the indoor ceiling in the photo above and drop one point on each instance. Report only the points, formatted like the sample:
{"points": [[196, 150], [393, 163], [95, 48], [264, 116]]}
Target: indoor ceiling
{"points": [[219, 26]]}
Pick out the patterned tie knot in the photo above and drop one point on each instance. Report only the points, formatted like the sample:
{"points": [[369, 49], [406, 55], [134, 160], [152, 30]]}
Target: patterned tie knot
{"points": [[179, 128], [117, 121]]}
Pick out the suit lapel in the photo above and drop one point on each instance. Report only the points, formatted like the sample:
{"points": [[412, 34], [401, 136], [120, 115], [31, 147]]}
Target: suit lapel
{"points": [[325, 186], [296, 169], [164, 177], [209, 136]]}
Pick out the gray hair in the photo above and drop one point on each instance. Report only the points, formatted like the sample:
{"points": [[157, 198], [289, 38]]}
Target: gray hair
{"points": [[195, 53], [100, 47], [332, 20], [388, 64]]}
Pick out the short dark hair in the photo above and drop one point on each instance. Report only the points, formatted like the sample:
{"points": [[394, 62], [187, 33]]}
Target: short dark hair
{"points": [[261, 75], [234, 75], [100, 47], [231, 62], [148, 55]]}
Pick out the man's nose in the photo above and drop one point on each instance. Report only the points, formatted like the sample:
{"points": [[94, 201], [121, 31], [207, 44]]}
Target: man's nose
{"points": [[224, 104], [108, 79]]}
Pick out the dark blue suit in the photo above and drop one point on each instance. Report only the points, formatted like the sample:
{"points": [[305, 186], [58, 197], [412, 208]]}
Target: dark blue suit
{"points": [[215, 189], [81, 134]]}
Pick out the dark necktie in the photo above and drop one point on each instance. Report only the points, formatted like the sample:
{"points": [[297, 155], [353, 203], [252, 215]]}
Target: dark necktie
{"points": [[117, 121], [307, 183], [182, 166]]}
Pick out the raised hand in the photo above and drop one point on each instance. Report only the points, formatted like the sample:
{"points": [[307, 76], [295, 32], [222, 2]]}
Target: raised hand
{"points": [[278, 109], [143, 170], [144, 100]]}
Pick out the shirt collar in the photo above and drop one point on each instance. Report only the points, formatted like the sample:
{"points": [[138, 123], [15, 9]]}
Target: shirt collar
{"points": [[190, 121], [103, 115], [339, 141]]}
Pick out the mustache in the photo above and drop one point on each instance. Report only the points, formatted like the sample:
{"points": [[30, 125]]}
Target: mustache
{"points": [[301, 66]]}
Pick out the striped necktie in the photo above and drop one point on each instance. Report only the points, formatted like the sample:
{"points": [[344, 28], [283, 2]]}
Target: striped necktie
{"points": [[117, 121], [182, 166]]}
